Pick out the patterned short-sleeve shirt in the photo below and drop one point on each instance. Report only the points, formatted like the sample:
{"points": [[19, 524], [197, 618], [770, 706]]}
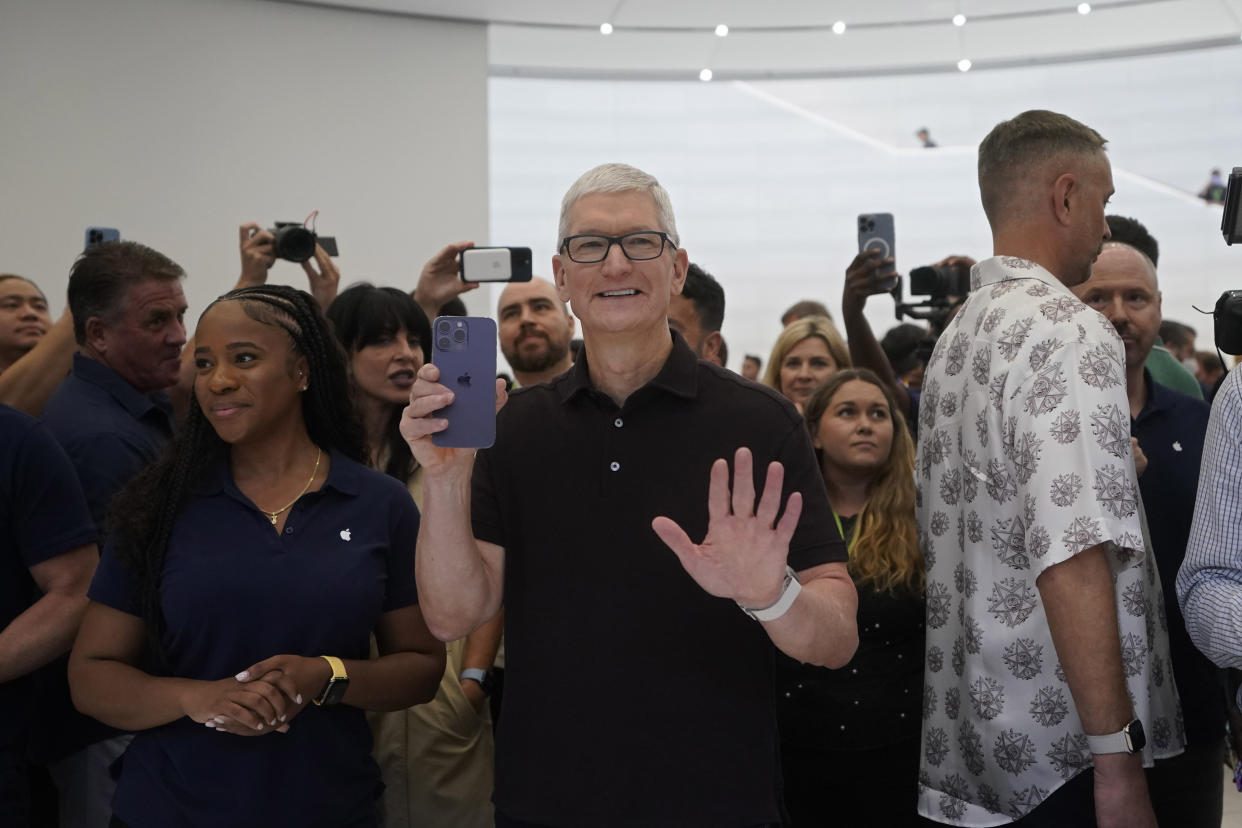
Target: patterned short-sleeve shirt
{"points": [[1023, 462]]}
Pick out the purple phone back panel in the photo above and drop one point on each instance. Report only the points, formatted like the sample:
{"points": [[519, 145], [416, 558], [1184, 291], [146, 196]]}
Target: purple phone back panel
{"points": [[470, 373]]}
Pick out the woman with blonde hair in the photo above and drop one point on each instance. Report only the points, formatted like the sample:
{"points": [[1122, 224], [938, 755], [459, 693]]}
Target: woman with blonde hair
{"points": [[806, 353], [850, 737]]}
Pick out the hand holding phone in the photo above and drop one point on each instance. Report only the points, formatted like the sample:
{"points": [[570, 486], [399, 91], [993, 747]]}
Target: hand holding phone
{"points": [[464, 350], [875, 232]]}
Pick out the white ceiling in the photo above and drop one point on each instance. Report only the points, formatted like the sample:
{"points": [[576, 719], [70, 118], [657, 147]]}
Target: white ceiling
{"points": [[675, 39]]}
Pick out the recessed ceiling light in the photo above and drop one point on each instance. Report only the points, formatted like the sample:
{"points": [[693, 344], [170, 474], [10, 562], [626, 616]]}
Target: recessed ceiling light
{"points": [[964, 65], [605, 28], [722, 30], [705, 75], [959, 20], [1084, 8], [838, 27]]}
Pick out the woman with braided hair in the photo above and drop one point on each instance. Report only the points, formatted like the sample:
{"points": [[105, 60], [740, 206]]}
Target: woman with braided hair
{"points": [[245, 572]]}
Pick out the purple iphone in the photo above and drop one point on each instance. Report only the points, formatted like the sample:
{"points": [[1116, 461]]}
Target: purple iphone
{"points": [[464, 349]]}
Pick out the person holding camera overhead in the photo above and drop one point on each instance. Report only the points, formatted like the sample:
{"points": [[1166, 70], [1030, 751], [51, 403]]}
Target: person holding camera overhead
{"points": [[232, 610]]}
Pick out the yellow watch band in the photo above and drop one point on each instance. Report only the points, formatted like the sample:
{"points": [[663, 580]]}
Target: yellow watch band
{"points": [[338, 667]]}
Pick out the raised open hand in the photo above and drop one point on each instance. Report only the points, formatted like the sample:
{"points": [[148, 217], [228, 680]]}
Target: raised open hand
{"points": [[743, 555]]}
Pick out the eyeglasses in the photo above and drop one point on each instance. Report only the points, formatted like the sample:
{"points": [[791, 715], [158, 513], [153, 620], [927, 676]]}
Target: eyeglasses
{"points": [[637, 247]]}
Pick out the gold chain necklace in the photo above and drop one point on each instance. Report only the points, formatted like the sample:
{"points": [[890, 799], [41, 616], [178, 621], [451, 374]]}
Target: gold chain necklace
{"points": [[272, 516]]}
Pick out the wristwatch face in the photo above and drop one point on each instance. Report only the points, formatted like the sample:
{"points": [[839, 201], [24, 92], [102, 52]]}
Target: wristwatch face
{"points": [[1136, 736], [334, 692]]}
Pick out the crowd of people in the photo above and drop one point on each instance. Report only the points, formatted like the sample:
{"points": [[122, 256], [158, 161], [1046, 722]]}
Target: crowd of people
{"points": [[930, 577]]}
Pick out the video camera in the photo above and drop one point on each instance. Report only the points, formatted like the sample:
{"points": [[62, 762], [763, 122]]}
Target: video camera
{"points": [[1227, 316], [295, 242], [945, 286]]}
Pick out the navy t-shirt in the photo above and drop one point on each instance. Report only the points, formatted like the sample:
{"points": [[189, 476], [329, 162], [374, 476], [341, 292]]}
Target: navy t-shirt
{"points": [[42, 514], [233, 593]]}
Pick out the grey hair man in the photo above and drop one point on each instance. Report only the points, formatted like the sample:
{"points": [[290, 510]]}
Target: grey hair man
{"points": [[580, 519]]}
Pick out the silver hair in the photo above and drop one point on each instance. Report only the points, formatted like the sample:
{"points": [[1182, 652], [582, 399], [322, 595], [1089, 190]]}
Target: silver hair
{"points": [[618, 178]]}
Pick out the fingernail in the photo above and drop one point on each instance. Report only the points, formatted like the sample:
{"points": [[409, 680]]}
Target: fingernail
{"points": [[218, 720], [298, 698], [209, 724], [282, 718], [272, 722], [259, 726], [243, 675]]}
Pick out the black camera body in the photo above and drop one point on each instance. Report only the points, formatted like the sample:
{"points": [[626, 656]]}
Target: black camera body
{"points": [[945, 286], [295, 242], [941, 281], [1231, 221]]}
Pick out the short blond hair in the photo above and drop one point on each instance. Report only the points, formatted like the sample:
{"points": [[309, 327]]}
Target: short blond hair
{"points": [[1016, 148], [795, 332]]}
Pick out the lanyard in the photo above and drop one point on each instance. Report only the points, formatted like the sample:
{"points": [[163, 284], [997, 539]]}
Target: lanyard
{"points": [[849, 544]]}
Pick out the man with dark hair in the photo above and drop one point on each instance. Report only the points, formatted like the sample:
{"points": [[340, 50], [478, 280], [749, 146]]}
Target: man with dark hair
{"points": [[24, 318], [1046, 648], [806, 307], [1179, 339], [751, 365], [1126, 230], [112, 417], [698, 314], [1169, 427]]}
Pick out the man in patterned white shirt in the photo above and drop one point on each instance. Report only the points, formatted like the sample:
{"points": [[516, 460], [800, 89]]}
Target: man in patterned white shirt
{"points": [[1046, 644]]}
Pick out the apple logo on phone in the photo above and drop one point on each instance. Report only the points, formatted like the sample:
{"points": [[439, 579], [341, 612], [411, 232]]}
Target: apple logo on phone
{"points": [[464, 379]]}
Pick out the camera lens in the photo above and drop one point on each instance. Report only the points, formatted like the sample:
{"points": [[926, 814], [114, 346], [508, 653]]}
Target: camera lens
{"points": [[443, 327], [443, 343], [459, 335]]}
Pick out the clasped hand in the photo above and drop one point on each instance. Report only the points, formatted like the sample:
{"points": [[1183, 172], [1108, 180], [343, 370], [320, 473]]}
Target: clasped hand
{"points": [[743, 556], [263, 698]]}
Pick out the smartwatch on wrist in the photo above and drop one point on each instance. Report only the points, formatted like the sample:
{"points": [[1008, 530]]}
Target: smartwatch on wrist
{"points": [[1130, 739], [479, 676], [334, 690], [789, 591]]}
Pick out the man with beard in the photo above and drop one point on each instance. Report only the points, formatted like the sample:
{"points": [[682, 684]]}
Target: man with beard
{"points": [[535, 330], [1169, 426]]}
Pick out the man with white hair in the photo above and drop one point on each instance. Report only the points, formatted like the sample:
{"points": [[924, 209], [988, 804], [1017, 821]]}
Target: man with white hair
{"points": [[638, 679]]}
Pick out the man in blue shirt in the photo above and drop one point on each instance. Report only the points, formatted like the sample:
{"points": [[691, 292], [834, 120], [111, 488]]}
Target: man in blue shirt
{"points": [[47, 551], [1169, 427], [112, 418]]}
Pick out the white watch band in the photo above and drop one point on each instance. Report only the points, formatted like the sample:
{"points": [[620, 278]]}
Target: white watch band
{"points": [[1123, 741], [789, 592]]}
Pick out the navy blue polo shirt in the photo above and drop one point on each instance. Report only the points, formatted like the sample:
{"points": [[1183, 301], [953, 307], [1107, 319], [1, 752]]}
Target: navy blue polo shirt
{"points": [[42, 514], [109, 430], [1170, 430], [632, 696], [235, 592]]}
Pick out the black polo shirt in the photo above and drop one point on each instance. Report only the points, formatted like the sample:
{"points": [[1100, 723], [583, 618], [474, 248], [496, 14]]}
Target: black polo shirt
{"points": [[42, 514], [632, 697], [1170, 430]]}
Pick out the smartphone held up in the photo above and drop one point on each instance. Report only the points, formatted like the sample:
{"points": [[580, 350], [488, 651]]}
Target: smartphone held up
{"points": [[875, 232], [464, 349]]}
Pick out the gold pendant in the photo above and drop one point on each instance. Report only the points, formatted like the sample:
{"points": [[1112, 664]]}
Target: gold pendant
{"points": [[272, 518]]}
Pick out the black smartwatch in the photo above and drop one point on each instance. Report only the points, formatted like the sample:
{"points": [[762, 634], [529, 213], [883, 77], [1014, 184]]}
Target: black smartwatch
{"points": [[334, 690]]}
